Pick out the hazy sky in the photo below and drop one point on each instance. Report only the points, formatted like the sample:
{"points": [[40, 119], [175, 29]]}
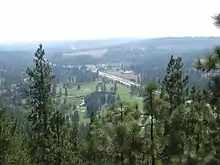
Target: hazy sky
{"points": [[33, 20]]}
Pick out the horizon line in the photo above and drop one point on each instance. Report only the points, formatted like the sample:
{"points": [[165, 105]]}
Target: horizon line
{"points": [[104, 38]]}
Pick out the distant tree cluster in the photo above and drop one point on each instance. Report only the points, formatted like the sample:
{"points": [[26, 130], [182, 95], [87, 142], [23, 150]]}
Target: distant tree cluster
{"points": [[97, 99], [73, 75]]}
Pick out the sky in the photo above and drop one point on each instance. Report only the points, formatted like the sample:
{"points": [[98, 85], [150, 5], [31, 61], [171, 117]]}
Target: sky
{"points": [[48, 20]]}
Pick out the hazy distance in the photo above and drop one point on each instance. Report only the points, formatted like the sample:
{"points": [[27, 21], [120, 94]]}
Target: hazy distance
{"points": [[47, 20]]}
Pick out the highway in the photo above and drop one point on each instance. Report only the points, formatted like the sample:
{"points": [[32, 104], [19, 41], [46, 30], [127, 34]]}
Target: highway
{"points": [[109, 76], [115, 78], [120, 80]]}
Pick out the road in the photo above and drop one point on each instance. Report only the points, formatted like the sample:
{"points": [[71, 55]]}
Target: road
{"points": [[109, 76], [112, 77], [120, 80]]}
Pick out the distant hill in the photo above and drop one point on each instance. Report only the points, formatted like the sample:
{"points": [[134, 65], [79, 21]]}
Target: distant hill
{"points": [[140, 50], [20, 54], [50, 47], [159, 43], [98, 44], [117, 49], [175, 43], [63, 46], [15, 59], [150, 48]]}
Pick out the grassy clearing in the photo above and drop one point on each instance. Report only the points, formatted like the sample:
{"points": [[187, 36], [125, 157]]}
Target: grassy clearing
{"points": [[76, 96], [74, 92], [123, 91]]}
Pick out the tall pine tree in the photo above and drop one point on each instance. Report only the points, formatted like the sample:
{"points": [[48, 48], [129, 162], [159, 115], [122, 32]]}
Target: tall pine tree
{"points": [[174, 88], [39, 92]]}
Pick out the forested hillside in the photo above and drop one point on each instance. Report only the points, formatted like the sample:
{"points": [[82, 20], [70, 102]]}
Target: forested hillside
{"points": [[170, 123], [179, 125]]}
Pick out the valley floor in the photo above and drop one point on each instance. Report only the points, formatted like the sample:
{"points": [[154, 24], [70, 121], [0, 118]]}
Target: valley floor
{"points": [[76, 96]]}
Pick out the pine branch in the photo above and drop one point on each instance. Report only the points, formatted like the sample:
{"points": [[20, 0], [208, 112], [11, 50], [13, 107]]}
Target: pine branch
{"points": [[217, 20]]}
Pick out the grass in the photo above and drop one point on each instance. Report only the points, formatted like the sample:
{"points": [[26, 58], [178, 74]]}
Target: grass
{"points": [[76, 96], [85, 89]]}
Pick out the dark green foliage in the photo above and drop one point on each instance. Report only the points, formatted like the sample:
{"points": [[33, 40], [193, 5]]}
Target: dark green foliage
{"points": [[76, 116], [150, 111], [74, 75], [60, 92], [104, 87], [174, 90], [78, 87], [54, 88], [4, 136], [66, 92], [217, 20], [97, 99], [210, 63], [58, 133], [175, 82], [115, 86], [13, 144], [39, 92]]}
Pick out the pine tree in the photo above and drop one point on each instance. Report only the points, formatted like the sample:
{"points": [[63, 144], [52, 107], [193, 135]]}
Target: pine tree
{"points": [[104, 87], [150, 112], [73, 144], [174, 89], [60, 92], [91, 154], [122, 126], [54, 87], [4, 136], [13, 145], [175, 82], [57, 124], [217, 20], [75, 116], [115, 86], [78, 87], [211, 64], [39, 92], [66, 92], [211, 144]]}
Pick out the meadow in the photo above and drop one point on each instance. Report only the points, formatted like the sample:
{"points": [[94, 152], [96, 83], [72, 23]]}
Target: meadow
{"points": [[76, 96]]}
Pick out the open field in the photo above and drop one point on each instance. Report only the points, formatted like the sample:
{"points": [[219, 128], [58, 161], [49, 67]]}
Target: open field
{"points": [[123, 91], [93, 53], [77, 96]]}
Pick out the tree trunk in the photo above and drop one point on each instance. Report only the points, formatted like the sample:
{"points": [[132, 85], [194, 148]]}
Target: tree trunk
{"points": [[152, 141]]}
